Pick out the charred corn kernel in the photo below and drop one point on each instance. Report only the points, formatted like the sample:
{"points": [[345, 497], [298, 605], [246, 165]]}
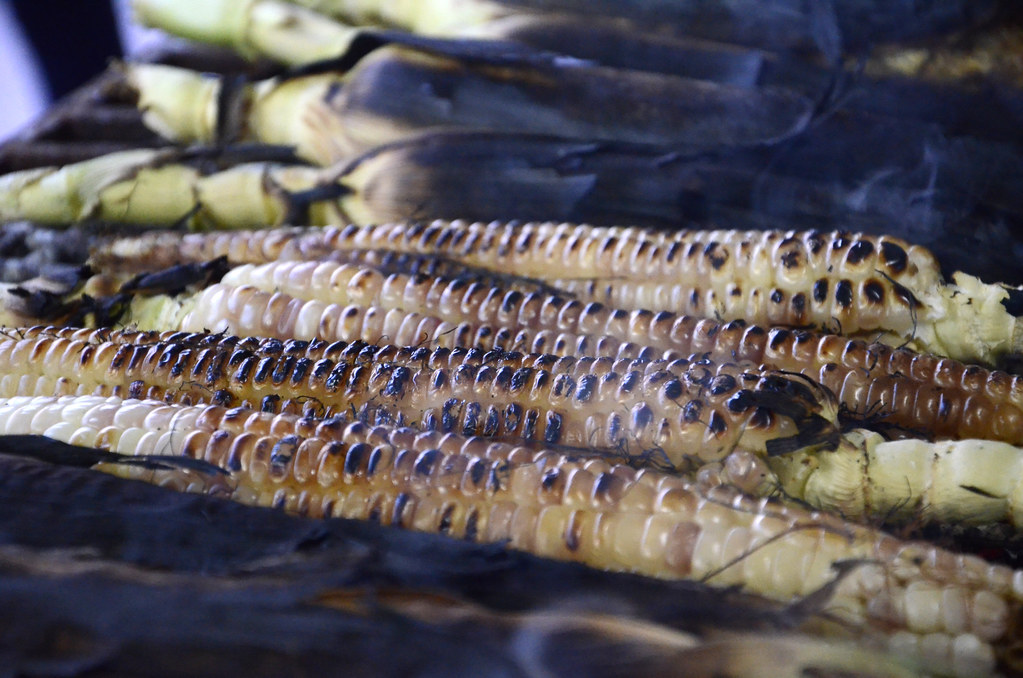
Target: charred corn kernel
{"points": [[719, 536], [857, 283], [674, 411]]}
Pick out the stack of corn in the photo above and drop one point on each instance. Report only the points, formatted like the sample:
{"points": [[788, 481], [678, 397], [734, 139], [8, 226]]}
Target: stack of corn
{"points": [[736, 406]]}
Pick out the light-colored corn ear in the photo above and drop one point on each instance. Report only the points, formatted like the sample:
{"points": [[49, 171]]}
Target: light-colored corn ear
{"points": [[278, 30], [949, 608], [972, 482]]}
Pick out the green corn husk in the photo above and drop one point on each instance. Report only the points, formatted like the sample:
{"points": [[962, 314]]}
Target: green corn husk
{"points": [[396, 92], [278, 30]]}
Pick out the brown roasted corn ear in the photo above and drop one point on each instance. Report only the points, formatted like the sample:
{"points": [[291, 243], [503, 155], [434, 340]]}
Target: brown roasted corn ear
{"points": [[673, 412], [918, 393]]}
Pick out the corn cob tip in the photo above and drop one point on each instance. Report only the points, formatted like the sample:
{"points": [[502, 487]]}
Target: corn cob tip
{"points": [[971, 321], [176, 103]]}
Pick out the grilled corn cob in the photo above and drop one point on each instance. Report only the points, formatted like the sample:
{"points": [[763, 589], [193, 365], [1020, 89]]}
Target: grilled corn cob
{"points": [[608, 41], [676, 411], [607, 516], [854, 283], [672, 50], [860, 283], [865, 477], [892, 388]]}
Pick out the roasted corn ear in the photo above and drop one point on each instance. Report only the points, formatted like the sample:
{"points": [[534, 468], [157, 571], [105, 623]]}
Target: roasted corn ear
{"points": [[898, 389], [877, 286], [675, 412], [605, 515], [855, 24]]}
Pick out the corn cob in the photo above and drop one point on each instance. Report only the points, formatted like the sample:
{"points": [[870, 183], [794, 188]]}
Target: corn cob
{"points": [[678, 410], [396, 91], [607, 516], [859, 283], [528, 177], [910, 391], [772, 278], [298, 35], [963, 482], [865, 477], [893, 388], [620, 43]]}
